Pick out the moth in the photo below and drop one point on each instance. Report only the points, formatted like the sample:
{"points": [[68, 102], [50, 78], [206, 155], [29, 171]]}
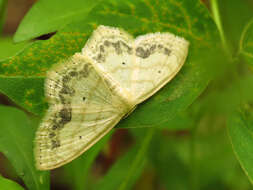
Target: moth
{"points": [[92, 91]]}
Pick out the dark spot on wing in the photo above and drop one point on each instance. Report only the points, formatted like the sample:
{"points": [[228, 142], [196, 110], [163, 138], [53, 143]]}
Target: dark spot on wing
{"points": [[66, 115], [67, 90], [102, 49], [62, 99], [153, 47], [117, 47], [129, 49], [84, 98], [146, 50], [167, 51], [55, 126], [51, 135], [140, 52], [66, 78], [55, 144], [106, 43], [100, 58], [85, 71], [160, 46], [73, 73]]}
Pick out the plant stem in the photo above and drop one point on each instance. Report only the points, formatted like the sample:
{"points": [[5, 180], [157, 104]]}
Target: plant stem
{"points": [[245, 29], [217, 20]]}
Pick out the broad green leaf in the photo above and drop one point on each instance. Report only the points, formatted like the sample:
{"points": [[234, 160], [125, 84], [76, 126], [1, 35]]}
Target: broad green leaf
{"points": [[9, 184], [16, 143], [124, 173], [246, 43], [49, 16], [27, 89], [77, 171], [181, 121], [8, 48], [22, 76], [189, 19], [37, 57], [212, 161], [3, 5], [241, 133]]}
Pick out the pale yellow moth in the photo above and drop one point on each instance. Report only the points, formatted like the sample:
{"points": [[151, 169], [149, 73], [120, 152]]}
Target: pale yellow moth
{"points": [[92, 91]]}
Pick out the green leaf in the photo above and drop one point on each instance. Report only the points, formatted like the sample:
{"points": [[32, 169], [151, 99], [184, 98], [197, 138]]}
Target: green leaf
{"points": [[25, 91], [3, 5], [246, 43], [16, 143], [9, 184], [8, 48], [22, 76], [124, 173], [39, 56], [77, 171], [241, 133], [187, 19], [49, 16], [181, 121], [213, 163]]}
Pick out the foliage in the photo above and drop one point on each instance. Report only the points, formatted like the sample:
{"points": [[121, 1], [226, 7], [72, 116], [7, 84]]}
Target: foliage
{"points": [[240, 130], [182, 142], [8, 184], [16, 140], [246, 43]]}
